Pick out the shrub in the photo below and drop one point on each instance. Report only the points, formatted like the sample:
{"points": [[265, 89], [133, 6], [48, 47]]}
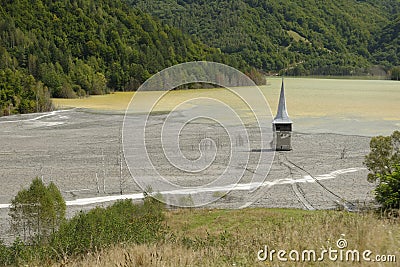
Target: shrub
{"points": [[383, 163], [5, 254], [18, 254], [388, 190], [39, 208], [123, 222]]}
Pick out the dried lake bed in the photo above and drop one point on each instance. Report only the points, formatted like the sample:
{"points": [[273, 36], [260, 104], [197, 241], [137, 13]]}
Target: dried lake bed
{"points": [[79, 149]]}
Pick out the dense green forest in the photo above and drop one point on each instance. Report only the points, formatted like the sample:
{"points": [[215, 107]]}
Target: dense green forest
{"points": [[74, 48], [341, 37], [386, 48]]}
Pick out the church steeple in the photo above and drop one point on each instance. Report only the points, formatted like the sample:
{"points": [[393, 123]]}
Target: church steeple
{"points": [[282, 115], [282, 125]]}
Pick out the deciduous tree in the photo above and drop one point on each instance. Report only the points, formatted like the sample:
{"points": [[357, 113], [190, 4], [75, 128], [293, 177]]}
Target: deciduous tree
{"points": [[37, 212]]}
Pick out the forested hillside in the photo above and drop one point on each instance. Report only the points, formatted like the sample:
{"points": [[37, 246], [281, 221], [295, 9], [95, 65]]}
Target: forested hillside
{"points": [[341, 37], [386, 49], [73, 48]]}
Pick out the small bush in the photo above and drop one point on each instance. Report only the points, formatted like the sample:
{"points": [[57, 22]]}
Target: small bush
{"points": [[18, 253], [5, 254], [388, 190], [383, 163]]}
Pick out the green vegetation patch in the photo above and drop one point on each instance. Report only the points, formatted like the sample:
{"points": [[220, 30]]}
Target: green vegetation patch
{"points": [[297, 37]]}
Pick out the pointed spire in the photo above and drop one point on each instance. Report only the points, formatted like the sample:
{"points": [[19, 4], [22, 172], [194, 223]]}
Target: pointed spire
{"points": [[282, 115]]}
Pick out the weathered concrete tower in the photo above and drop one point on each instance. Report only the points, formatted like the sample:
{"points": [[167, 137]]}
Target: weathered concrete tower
{"points": [[282, 125]]}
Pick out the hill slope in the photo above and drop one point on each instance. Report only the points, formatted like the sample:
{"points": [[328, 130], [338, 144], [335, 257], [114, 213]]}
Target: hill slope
{"points": [[74, 48], [386, 50], [336, 36]]}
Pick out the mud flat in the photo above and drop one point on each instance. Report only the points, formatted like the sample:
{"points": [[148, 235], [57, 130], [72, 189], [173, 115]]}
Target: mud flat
{"points": [[73, 147], [79, 150]]}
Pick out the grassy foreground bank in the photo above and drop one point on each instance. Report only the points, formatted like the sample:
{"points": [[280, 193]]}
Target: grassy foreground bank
{"points": [[201, 237]]}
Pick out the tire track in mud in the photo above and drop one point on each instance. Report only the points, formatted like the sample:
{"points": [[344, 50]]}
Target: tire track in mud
{"points": [[297, 190], [293, 167]]}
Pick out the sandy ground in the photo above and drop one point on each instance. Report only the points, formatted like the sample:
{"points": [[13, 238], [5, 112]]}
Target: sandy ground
{"points": [[73, 147]]}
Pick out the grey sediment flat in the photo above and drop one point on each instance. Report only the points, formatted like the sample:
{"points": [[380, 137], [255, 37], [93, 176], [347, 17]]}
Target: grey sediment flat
{"points": [[70, 147]]}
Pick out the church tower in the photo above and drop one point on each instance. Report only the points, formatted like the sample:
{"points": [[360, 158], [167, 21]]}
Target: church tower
{"points": [[282, 125]]}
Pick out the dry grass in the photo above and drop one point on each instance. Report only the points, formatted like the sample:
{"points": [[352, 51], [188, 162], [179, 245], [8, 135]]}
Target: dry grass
{"points": [[233, 237]]}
